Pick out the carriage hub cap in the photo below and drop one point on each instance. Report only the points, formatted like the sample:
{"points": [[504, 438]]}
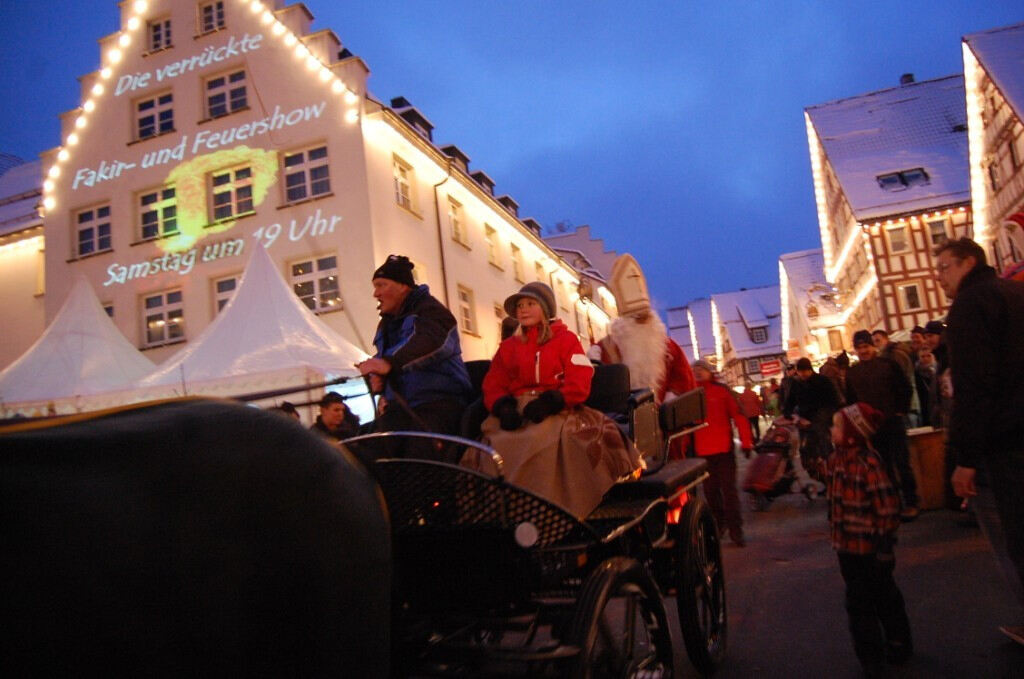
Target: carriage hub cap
{"points": [[526, 534]]}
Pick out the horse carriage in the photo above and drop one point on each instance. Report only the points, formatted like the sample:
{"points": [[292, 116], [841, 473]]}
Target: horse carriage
{"points": [[490, 579]]}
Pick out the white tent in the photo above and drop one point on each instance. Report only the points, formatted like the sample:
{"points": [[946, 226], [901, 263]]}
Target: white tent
{"points": [[264, 338], [81, 354]]}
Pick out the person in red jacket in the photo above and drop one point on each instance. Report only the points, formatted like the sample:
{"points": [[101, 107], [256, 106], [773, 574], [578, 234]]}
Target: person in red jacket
{"points": [[551, 443], [714, 444]]}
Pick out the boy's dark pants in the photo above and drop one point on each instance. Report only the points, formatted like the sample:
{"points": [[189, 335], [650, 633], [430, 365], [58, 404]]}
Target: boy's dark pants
{"points": [[874, 604]]}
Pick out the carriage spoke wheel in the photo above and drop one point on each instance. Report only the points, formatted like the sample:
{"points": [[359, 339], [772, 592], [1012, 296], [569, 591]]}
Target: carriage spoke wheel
{"points": [[701, 589], [620, 625]]}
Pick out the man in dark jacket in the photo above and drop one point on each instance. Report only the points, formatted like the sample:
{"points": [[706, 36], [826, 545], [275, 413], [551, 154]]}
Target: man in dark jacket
{"points": [[814, 399], [985, 333], [418, 365], [881, 383], [335, 421]]}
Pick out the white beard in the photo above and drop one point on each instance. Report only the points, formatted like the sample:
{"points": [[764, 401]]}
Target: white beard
{"points": [[643, 350]]}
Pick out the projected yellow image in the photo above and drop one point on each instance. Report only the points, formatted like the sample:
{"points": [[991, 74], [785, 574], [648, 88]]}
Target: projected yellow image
{"points": [[215, 189]]}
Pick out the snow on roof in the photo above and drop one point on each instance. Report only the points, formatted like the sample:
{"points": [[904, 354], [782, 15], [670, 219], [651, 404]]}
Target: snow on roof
{"points": [[743, 310], [703, 327], [678, 325], [20, 191], [918, 125], [1001, 52], [805, 273]]}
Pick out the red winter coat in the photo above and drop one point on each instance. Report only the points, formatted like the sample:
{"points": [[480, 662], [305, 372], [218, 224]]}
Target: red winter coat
{"points": [[559, 364], [722, 410]]}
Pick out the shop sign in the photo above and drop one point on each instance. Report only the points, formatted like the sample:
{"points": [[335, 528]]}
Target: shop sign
{"points": [[771, 367]]}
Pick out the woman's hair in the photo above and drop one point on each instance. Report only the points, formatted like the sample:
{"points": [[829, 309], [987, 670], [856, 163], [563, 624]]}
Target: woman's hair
{"points": [[543, 332]]}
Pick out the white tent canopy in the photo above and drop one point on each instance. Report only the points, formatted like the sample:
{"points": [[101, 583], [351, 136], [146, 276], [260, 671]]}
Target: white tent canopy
{"points": [[80, 354], [264, 337]]}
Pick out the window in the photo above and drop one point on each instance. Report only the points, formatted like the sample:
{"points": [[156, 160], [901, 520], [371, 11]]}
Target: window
{"points": [[306, 174], [159, 33], [419, 273], [910, 296], [499, 315], [211, 16], [315, 281], [223, 291], [752, 366], [165, 320], [835, 340], [898, 241], [226, 94], [491, 236], [758, 335], [93, 226], [467, 317], [403, 183], [899, 181], [158, 212], [993, 177], [154, 116], [538, 269], [517, 263], [563, 299], [232, 192], [937, 231], [108, 309], [455, 221]]}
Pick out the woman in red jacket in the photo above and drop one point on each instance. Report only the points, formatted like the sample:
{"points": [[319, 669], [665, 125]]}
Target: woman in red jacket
{"points": [[551, 443], [714, 444]]}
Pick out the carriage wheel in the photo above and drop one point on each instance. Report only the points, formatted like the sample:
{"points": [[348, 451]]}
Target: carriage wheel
{"points": [[620, 625], [701, 591]]}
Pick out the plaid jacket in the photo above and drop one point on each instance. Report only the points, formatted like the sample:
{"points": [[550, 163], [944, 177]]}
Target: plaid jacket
{"points": [[864, 506]]}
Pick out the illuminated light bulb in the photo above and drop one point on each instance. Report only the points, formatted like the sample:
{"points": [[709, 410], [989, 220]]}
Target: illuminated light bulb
{"points": [[140, 6], [352, 116], [49, 203], [114, 55], [89, 105], [133, 23], [124, 40], [54, 172], [48, 185], [290, 39], [337, 87], [325, 74], [301, 51], [62, 155], [256, 6], [97, 89], [312, 62], [105, 73], [351, 97], [80, 122], [72, 139], [278, 28], [267, 17]]}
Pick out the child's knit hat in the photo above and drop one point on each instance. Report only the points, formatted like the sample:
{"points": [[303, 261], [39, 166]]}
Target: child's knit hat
{"points": [[860, 422]]}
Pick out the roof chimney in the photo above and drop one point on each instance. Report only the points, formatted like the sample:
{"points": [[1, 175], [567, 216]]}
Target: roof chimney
{"points": [[907, 79]]}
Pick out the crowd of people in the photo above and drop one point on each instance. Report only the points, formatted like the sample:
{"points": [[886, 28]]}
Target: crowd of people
{"points": [[965, 376]]}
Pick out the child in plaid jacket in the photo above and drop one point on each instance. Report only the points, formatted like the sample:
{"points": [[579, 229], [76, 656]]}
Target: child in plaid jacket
{"points": [[864, 513]]}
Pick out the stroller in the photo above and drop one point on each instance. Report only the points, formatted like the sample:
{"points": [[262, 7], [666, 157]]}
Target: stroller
{"points": [[778, 469]]}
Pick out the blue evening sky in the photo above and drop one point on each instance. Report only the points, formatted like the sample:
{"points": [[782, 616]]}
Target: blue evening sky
{"points": [[675, 129]]}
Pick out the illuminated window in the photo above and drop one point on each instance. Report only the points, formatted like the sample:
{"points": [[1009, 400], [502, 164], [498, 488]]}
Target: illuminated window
{"points": [[158, 212], [306, 174], [910, 297], [455, 221], [937, 231], [835, 340], [159, 34], [226, 94], [211, 16], [517, 263], [898, 241], [154, 116], [563, 298], [419, 272], [538, 269], [499, 314], [467, 316], [165, 319], [491, 236], [900, 181], [93, 227], [403, 175], [232, 192], [759, 335], [993, 177], [315, 281], [223, 291]]}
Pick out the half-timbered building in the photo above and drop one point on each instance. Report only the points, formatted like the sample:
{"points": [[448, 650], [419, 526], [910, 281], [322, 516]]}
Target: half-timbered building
{"points": [[748, 334]]}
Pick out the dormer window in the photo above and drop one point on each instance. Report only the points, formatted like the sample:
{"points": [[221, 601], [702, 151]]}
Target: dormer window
{"points": [[899, 181], [758, 335]]}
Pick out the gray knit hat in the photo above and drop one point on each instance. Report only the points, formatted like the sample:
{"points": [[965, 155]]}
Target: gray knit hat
{"points": [[705, 365], [536, 290]]}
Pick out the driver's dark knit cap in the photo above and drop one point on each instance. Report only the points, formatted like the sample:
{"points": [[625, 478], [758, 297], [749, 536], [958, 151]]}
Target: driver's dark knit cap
{"points": [[397, 268], [862, 337]]}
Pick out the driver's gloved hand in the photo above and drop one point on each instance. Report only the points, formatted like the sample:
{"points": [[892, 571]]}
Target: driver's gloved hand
{"points": [[506, 410], [548, 403]]}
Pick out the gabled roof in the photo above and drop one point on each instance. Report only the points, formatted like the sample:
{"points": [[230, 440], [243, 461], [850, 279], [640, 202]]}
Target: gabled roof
{"points": [[21, 186], [264, 329], [743, 310], [1001, 52], [81, 353], [918, 125], [805, 274], [702, 325]]}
